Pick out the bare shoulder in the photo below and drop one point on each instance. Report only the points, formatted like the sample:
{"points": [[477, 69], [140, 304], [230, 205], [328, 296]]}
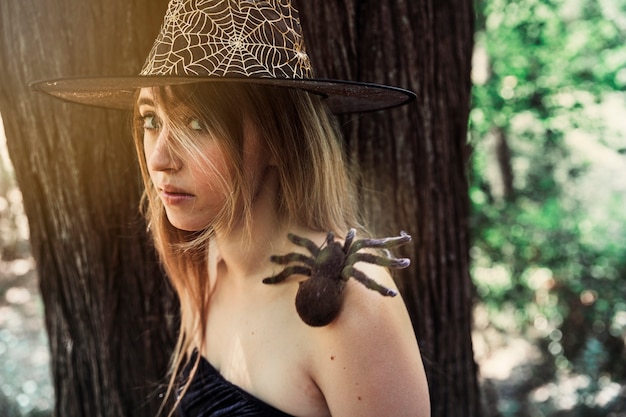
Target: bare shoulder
{"points": [[367, 362]]}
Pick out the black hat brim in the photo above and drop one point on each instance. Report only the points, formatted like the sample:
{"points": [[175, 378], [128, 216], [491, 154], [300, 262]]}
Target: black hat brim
{"points": [[120, 92]]}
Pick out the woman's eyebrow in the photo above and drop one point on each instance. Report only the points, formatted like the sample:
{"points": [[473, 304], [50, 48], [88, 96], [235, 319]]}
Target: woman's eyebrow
{"points": [[145, 101]]}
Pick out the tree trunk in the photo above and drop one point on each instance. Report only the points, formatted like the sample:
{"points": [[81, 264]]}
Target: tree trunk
{"points": [[108, 308], [413, 161]]}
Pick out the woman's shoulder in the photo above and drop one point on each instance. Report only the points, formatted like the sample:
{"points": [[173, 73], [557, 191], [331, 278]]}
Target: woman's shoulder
{"points": [[367, 361], [365, 313]]}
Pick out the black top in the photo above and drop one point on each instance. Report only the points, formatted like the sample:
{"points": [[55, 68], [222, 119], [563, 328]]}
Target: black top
{"points": [[211, 395]]}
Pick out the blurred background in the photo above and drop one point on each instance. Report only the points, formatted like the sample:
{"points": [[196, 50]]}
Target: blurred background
{"points": [[25, 380], [548, 193]]}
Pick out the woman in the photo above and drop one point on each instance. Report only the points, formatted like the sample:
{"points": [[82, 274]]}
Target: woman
{"points": [[239, 169]]}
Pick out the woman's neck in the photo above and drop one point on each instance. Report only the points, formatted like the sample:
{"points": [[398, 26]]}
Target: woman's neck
{"points": [[244, 252]]}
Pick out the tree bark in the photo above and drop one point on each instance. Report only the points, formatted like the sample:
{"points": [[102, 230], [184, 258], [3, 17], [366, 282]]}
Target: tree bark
{"points": [[108, 307], [413, 161]]}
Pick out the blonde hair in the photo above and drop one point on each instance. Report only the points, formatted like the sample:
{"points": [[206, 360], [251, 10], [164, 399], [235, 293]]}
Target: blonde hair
{"points": [[315, 188]]}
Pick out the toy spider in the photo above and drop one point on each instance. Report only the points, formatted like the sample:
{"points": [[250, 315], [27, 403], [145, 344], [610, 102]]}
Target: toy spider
{"points": [[320, 297]]}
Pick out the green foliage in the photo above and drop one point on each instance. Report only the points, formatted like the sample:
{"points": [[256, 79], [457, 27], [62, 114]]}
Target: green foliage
{"points": [[548, 217]]}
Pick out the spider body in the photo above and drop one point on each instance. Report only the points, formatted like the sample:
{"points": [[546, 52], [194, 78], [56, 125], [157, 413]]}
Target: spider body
{"points": [[320, 297]]}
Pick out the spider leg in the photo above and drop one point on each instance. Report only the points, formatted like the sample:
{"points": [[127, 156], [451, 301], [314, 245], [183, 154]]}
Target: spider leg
{"points": [[387, 242], [371, 258], [285, 273], [307, 243], [292, 257], [350, 271], [330, 237], [349, 239]]}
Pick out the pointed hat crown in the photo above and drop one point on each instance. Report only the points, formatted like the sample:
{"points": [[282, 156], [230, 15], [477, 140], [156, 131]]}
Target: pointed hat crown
{"points": [[230, 39]]}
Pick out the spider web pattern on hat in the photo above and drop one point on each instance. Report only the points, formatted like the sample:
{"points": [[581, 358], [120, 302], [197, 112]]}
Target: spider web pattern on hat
{"points": [[261, 39]]}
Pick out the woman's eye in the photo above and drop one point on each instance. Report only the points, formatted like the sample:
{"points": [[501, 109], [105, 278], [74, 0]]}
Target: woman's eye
{"points": [[150, 122], [195, 124]]}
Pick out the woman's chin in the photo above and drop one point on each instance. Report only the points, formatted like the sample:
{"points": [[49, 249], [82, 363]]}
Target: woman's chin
{"points": [[188, 225]]}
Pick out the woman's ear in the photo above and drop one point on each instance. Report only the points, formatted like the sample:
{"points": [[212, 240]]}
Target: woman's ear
{"points": [[272, 160], [252, 135]]}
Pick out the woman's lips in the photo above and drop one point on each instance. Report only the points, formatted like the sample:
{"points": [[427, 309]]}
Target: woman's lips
{"points": [[174, 196]]}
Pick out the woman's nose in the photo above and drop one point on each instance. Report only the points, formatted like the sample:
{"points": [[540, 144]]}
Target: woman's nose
{"points": [[160, 156]]}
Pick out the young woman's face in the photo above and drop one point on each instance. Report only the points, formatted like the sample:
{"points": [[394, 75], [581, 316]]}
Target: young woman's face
{"points": [[193, 184]]}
